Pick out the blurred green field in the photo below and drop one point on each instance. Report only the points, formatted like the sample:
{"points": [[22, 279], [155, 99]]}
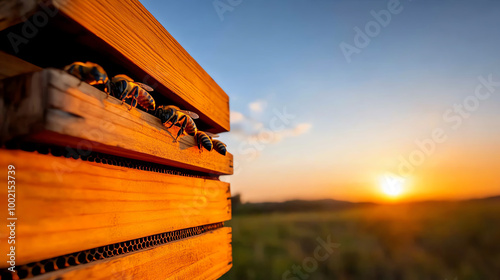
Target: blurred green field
{"points": [[449, 240]]}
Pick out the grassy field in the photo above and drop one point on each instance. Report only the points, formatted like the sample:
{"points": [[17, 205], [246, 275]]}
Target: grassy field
{"points": [[420, 241]]}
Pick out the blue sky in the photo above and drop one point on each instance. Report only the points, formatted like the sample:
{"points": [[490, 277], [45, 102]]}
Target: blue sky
{"points": [[352, 120]]}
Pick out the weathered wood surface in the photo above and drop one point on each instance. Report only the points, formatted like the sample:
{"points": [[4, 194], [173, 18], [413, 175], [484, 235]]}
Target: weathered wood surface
{"points": [[13, 66], [54, 107], [66, 205], [150, 48], [206, 256]]}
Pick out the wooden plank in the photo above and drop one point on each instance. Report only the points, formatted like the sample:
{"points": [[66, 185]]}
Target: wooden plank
{"points": [[149, 49], [206, 256], [13, 66], [66, 205], [76, 114]]}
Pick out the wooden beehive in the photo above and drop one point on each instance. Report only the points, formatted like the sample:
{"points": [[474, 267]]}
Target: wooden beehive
{"points": [[104, 192]]}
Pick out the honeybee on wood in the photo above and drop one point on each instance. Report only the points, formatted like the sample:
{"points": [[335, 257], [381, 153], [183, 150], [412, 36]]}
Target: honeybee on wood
{"points": [[90, 73], [178, 117], [124, 87], [218, 145], [203, 140]]}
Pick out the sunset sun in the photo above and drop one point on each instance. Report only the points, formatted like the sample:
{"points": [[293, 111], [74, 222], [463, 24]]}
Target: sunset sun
{"points": [[392, 186]]}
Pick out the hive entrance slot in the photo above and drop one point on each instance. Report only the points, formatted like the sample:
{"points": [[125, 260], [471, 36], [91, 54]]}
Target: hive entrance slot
{"points": [[104, 252], [92, 156]]}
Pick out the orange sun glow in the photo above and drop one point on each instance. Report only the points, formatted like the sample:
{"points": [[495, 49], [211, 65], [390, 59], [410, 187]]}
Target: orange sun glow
{"points": [[392, 186]]}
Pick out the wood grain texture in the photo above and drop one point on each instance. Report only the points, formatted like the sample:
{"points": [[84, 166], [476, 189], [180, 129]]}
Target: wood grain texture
{"points": [[206, 256], [148, 46], [54, 107], [66, 205], [13, 66]]}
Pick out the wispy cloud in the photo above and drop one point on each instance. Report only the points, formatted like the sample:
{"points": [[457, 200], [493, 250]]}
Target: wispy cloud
{"points": [[296, 130], [247, 128], [257, 106], [236, 117]]}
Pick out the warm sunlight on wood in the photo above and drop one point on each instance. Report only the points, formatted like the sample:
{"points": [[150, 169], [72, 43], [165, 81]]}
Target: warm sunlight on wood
{"points": [[392, 186]]}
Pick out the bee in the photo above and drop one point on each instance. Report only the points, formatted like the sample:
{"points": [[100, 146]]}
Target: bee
{"points": [[218, 145], [203, 140], [178, 117], [124, 87], [90, 73]]}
